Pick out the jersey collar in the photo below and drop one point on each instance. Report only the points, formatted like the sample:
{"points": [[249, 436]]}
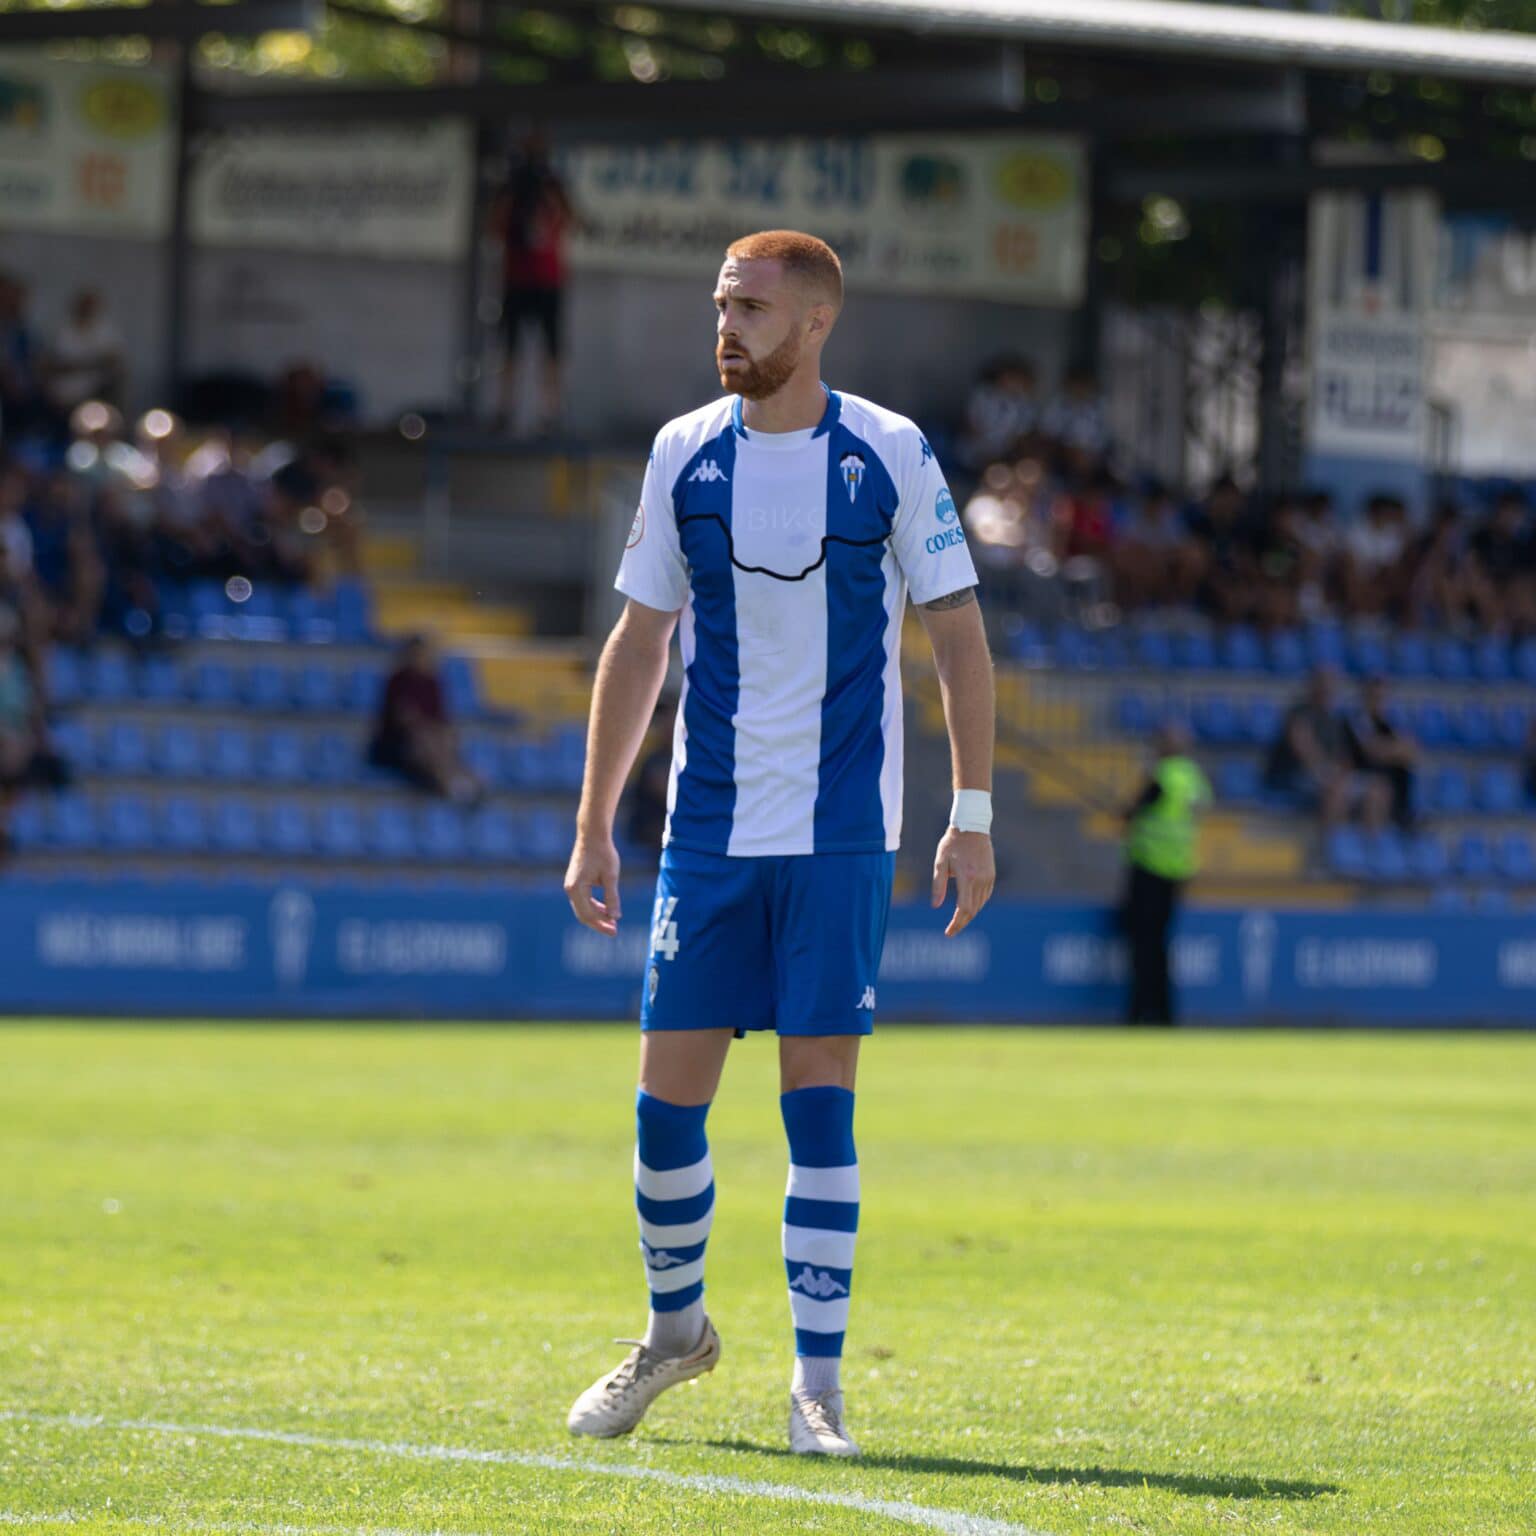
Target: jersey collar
{"points": [[825, 425]]}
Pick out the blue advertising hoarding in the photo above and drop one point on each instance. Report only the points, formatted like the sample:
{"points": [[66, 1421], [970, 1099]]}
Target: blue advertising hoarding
{"points": [[374, 951]]}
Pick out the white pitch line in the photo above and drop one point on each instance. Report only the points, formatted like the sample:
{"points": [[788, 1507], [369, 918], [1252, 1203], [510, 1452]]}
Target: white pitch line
{"points": [[213, 1527], [952, 1522]]}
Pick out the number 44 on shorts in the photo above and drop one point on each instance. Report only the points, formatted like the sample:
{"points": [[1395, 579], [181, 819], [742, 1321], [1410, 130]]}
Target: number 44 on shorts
{"points": [[664, 928]]}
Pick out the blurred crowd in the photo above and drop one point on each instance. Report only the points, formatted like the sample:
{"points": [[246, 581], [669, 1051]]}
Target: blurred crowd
{"points": [[1063, 536]]}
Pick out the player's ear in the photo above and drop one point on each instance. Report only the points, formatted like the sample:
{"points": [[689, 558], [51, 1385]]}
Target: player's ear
{"points": [[820, 321]]}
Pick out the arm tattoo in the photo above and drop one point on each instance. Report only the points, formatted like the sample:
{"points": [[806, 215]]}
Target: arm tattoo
{"points": [[952, 600]]}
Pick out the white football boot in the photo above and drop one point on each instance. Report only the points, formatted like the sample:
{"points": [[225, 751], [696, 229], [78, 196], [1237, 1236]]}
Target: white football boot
{"points": [[615, 1403], [816, 1426]]}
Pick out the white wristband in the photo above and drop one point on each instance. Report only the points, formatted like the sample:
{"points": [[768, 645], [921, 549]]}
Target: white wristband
{"points": [[972, 811]]}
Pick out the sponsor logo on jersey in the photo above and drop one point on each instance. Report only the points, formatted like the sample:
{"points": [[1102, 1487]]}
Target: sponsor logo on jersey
{"points": [[708, 471], [937, 543], [636, 528], [944, 506], [817, 1282], [852, 466]]}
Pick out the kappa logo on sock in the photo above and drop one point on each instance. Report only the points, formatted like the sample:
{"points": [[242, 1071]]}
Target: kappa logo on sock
{"points": [[659, 1258], [818, 1283]]}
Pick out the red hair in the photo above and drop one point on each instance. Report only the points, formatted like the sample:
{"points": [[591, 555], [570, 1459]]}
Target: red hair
{"points": [[812, 261]]}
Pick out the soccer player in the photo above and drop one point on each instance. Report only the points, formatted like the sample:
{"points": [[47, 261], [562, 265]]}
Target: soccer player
{"points": [[785, 523]]}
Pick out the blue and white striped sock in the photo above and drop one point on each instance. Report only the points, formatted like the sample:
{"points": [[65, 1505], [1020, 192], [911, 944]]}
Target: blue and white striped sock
{"points": [[675, 1196], [821, 1217]]}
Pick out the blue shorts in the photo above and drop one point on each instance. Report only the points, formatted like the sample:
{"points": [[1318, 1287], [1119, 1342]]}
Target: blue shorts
{"points": [[790, 943]]}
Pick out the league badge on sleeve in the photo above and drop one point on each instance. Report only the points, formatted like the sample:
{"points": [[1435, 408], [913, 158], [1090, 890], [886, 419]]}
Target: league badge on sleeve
{"points": [[636, 528], [852, 466]]}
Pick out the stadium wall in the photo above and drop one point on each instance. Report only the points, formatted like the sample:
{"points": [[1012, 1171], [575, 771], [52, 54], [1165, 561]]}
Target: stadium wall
{"points": [[212, 950]]}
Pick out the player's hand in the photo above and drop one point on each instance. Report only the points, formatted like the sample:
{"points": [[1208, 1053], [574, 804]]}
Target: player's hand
{"points": [[594, 862], [968, 857]]}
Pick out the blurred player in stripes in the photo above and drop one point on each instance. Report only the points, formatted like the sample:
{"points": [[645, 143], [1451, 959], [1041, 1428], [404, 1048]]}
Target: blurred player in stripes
{"points": [[784, 524]]}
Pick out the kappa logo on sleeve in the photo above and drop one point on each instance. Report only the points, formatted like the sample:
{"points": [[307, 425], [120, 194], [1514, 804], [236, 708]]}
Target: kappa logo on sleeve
{"points": [[927, 451], [636, 528]]}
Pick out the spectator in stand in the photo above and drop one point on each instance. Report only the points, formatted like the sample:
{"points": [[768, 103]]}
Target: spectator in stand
{"points": [[1224, 541], [1530, 763], [65, 558], [21, 404], [1278, 558], [1320, 550], [1441, 585], [1076, 418], [131, 596], [1383, 751], [18, 581], [413, 735], [1374, 559], [1503, 567], [1312, 757], [1156, 562], [531, 217], [298, 402], [20, 722], [1002, 412], [88, 359]]}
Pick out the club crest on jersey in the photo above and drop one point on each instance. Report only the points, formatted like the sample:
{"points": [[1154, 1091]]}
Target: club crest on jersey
{"points": [[852, 466], [708, 471]]}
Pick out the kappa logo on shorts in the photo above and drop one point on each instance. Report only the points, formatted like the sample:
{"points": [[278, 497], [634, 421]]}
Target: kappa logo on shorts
{"points": [[818, 1283], [709, 471], [868, 999]]}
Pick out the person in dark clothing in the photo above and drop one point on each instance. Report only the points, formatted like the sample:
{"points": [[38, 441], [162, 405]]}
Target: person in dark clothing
{"points": [[1162, 856], [413, 736], [1311, 757], [1225, 535], [1383, 751], [648, 799], [1503, 554], [531, 217]]}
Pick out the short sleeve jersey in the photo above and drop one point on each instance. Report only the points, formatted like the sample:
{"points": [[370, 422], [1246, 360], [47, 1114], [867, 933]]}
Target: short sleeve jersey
{"points": [[790, 556]]}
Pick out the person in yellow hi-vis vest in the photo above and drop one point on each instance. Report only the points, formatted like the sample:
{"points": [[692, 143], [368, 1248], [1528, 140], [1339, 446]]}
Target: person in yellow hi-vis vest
{"points": [[1162, 854]]}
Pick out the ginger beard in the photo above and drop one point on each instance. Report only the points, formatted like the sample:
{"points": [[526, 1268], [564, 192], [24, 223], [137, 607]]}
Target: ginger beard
{"points": [[753, 378]]}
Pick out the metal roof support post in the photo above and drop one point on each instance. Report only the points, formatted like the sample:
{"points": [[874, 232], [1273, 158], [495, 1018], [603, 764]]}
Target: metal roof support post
{"points": [[178, 266]]}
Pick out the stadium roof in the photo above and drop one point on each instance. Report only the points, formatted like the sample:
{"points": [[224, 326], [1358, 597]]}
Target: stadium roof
{"points": [[1253, 35]]}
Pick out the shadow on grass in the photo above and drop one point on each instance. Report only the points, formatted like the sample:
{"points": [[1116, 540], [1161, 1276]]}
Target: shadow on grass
{"points": [[1195, 1484]]}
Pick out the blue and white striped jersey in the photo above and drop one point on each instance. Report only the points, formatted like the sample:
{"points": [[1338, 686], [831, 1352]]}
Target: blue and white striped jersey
{"points": [[790, 555]]}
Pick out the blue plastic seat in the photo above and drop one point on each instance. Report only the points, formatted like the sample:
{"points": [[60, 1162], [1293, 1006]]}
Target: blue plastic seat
{"points": [[1368, 653], [1474, 858], [1428, 859], [127, 824], [362, 689], [494, 837], [568, 754], [183, 827], [266, 688], [125, 749], [179, 753], [441, 833], [390, 835], [1472, 727], [339, 831], [235, 827], [460, 688], [353, 613], [547, 839], [1077, 651], [1262, 718], [1491, 659], [1511, 727], [288, 832], [72, 823], [66, 677], [333, 759], [307, 617], [72, 740], [232, 754], [1499, 791], [1194, 651], [482, 757], [1431, 724], [318, 690], [1326, 646], [1154, 650], [1241, 650], [1450, 659], [1410, 656], [1287, 654], [1346, 854], [213, 685], [160, 681], [109, 679], [1450, 792], [283, 758], [1134, 714], [1386, 858], [29, 826], [1515, 860], [1216, 721], [1525, 660], [1239, 780]]}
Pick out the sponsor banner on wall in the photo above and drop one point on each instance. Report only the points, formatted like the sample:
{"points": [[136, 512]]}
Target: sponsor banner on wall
{"points": [[980, 217], [84, 148], [369, 191], [1371, 267], [290, 949]]}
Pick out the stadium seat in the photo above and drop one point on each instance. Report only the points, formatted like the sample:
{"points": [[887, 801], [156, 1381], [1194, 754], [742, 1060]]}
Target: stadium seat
{"points": [[339, 831], [1154, 650], [1491, 659], [1472, 727], [1410, 657], [1326, 646], [1216, 721], [390, 835], [287, 831], [362, 688], [72, 740], [127, 824], [1194, 650], [178, 753], [1386, 859], [160, 681], [1431, 724], [441, 833], [1515, 860], [125, 750], [460, 689], [1511, 727], [1262, 719], [1525, 660], [1287, 654], [72, 823], [1499, 791], [1135, 714], [493, 837], [1241, 650], [526, 764], [283, 758], [353, 616], [1450, 792], [235, 827], [266, 688], [109, 679], [318, 690], [183, 827], [213, 685], [1239, 781], [1076, 650], [568, 752], [1450, 659], [1369, 655], [333, 759], [1474, 858], [29, 825], [66, 677], [545, 832], [1345, 853], [232, 754], [1428, 859]]}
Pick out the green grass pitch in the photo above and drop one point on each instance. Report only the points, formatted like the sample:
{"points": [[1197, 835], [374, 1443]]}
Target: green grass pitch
{"points": [[1181, 1283]]}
